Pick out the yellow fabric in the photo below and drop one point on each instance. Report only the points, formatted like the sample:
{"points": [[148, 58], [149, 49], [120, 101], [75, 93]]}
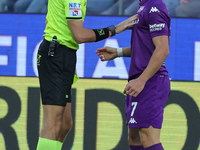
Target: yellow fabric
{"points": [[59, 145], [58, 13], [47, 144], [75, 79]]}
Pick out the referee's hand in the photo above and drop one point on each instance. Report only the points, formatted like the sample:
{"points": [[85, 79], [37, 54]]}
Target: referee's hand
{"points": [[126, 24]]}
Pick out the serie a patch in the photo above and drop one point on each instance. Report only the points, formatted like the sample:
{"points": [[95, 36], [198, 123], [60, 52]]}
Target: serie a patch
{"points": [[75, 10]]}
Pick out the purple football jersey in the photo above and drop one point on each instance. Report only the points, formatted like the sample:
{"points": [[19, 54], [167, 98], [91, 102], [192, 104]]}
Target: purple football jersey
{"points": [[153, 20]]}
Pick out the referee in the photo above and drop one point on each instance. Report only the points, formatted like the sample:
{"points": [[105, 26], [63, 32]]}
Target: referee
{"points": [[56, 64]]}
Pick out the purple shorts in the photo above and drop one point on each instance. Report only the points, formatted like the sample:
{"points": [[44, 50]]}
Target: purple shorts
{"points": [[147, 108]]}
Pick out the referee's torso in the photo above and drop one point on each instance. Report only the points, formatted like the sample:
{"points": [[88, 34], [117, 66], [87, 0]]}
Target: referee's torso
{"points": [[59, 11]]}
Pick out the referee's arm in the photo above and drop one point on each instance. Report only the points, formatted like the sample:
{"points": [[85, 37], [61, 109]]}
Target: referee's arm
{"points": [[81, 34]]}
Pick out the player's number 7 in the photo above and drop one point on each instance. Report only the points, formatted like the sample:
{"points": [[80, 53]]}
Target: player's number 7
{"points": [[134, 104]]}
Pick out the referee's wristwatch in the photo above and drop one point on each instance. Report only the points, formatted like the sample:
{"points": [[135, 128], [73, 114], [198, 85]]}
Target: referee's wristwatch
{"points": [[112, 29]]}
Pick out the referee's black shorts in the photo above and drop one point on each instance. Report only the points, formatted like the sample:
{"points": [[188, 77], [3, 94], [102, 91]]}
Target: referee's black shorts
{"points": [[56, 74]]}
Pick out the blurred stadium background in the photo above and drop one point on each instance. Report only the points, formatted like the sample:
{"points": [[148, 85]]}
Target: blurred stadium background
{"points": [[98, 102]]}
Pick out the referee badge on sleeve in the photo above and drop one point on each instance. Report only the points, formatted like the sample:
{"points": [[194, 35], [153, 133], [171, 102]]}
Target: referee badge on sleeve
{"points": [[75, 10]]}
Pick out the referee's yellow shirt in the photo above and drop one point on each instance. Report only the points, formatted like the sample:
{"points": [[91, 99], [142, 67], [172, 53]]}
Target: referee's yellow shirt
{"points": [[59, 11]]}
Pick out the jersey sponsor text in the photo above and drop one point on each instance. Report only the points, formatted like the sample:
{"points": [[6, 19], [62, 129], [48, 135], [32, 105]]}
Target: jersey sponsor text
{"points": [[156, 27]]}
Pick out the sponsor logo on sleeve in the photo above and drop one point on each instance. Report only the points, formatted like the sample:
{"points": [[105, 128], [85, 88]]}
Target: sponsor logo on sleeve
{"points": [[156, 27], [154, 9], [75, 9]]}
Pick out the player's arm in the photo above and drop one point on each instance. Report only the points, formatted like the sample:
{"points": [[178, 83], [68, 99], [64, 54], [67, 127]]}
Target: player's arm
{"points": [[134, 87], [157, 59], [109, 53], [82, 35], [126, 52]]}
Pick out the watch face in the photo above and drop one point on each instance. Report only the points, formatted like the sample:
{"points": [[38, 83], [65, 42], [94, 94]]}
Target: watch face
{"points": [[111, 27]]}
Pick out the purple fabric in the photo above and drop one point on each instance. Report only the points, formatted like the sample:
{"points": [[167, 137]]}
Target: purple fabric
{"points": [[136, 147], [153, 20], [147, 108], [155, 147]]}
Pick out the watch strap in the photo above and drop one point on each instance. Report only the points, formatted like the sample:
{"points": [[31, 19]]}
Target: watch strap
{"points": [[112, 29]]}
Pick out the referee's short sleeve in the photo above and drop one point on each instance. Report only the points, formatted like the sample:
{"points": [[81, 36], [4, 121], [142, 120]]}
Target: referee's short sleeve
{"points": [[73, 9]]}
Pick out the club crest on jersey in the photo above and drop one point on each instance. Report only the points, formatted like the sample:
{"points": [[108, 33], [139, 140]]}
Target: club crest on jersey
{"points": [[140, 9], [154, 9], [75, 9]]}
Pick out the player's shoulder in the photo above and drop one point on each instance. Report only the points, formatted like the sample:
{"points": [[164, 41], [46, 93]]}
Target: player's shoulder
{"points": [[157, 6]]}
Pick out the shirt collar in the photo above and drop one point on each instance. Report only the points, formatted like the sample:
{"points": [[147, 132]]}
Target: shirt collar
{"points": [[143, 2]]}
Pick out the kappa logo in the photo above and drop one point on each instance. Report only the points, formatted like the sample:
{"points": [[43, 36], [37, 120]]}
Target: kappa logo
{"points": [[132, 121], [154, 9]]}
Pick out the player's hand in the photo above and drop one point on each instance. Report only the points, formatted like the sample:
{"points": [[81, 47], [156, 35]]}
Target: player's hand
{"points": [[107, 53], [126, 24], [134, 87]]}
